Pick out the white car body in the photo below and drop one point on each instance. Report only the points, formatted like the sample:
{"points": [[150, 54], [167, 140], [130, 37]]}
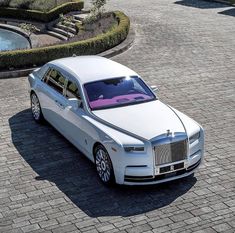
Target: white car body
{"points": [[152, 125]]}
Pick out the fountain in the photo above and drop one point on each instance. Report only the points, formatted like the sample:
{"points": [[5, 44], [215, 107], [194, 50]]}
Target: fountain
{"points": [[10, 40]]}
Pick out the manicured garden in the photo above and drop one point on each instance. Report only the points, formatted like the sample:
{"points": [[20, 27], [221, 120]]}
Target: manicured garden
{"points": [[96, 33]]}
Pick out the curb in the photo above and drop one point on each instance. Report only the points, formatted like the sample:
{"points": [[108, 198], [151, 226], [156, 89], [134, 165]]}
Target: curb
{"points": [[124, 46]]}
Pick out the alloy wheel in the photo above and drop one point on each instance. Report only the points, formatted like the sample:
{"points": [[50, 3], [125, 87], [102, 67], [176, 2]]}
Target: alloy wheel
{"points": [[35, 106], [103, 165]]}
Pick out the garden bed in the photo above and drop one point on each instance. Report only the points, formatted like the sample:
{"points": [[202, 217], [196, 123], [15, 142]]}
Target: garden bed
{"points": [[38, 56], [101, 26]]}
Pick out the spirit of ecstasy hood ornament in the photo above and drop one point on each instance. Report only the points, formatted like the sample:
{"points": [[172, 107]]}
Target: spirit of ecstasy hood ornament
{"points": [[168, 133]]}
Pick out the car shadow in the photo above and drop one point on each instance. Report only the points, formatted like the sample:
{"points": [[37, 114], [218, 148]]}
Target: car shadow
{"points": [[229, 12], [201, 4], [54, 159]]}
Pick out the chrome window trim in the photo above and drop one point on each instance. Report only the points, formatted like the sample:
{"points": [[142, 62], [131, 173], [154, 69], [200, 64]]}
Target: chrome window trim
{"points": [[46, 78]]}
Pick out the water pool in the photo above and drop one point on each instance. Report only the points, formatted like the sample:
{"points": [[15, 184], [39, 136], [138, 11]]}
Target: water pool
{"points": [[10, 40]]}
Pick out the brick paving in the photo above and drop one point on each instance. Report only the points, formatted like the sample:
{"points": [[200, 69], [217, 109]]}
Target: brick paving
{"points": [[187, 49]]}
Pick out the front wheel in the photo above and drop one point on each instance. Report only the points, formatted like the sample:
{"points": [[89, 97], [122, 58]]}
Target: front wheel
{"points": [[104, 165], [36, 108]]}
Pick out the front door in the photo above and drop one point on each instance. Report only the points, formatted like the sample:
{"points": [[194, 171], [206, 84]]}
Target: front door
{"points": [[75, 122]]}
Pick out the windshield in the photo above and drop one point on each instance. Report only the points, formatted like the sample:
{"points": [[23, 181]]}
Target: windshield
{"points": [[117, 92]]}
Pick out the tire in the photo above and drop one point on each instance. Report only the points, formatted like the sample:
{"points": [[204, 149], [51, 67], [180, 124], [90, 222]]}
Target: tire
{"points": [[104, 167], [36, 108]]}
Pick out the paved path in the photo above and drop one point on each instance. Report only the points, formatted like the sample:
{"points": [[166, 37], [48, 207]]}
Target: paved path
{"points": [[188, 50]]}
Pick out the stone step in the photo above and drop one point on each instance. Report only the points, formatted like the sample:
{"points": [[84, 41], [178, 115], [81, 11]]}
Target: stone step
{"points": [[57, 35], [76, 21], [64, 28], [72, 25], [62, 32], [80, 16]]}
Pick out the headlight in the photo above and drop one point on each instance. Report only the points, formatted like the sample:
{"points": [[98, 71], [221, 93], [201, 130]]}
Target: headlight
{"points": [[134, 148], [195, 137]]}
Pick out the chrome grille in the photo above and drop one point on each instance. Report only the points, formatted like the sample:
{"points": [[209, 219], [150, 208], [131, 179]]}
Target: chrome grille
{"points": [[171, 152]]}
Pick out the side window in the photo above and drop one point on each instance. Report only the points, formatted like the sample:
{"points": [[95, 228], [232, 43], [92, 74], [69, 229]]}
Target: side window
{"points": [[42, 71], [72, 90], [55, 79]]}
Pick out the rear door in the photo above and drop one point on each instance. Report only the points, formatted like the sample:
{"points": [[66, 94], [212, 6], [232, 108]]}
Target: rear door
{"points": [[53, 98]]}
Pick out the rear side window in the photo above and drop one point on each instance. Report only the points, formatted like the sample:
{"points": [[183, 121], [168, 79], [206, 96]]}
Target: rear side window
{"points": [[41, 72], [55, 79], [72, 90]]}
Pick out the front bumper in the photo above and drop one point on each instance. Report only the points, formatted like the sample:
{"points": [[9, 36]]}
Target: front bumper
{"points": [[142, 169], [147, 180]]}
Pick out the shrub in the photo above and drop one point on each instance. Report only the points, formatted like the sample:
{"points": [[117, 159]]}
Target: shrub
{"points": [[39, 56], [4, 2], [42, 5], [39, 15], [29, 29]]}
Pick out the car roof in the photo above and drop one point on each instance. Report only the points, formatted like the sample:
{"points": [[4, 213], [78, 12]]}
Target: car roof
{"points": [[92, 68]]}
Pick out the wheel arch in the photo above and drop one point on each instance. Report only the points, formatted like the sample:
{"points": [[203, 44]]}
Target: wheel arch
{"points": [[94, 146], [32, 92]]}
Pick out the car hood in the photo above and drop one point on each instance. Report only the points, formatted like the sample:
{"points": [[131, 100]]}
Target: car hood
{"points": [[145, 120]]}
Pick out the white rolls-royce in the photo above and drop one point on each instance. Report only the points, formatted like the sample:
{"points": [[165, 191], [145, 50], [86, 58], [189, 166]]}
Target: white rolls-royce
{"points": [[111, 115]]}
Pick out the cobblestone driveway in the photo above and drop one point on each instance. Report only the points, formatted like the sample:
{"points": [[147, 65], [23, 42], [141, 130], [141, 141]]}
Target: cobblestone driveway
{"points": [[187, 49]]}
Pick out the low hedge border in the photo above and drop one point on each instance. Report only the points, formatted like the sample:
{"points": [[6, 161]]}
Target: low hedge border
{"points": [[39, 56], [40, 15]]}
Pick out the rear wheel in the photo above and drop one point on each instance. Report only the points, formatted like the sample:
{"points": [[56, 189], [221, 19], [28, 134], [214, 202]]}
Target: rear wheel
{"points": [[36, 108], [104, 165]]}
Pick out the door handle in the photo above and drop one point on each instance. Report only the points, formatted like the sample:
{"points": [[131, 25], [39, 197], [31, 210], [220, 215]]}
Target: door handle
{"points": [[60, 105]]}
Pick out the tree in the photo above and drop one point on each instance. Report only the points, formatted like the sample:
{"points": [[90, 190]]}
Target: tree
{"points": [[98, 5], [29, 29], [96, 11]]}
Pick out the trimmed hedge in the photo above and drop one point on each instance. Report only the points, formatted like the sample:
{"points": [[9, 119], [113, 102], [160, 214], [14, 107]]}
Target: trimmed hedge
{"points": [[39, 56], [40, 15]]}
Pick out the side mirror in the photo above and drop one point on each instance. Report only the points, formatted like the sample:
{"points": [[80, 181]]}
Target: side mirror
{"points": [[154, 88], [74, 103]]}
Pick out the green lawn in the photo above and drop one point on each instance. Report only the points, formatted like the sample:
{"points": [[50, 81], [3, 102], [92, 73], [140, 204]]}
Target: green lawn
{"points": [[42, 5]]}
